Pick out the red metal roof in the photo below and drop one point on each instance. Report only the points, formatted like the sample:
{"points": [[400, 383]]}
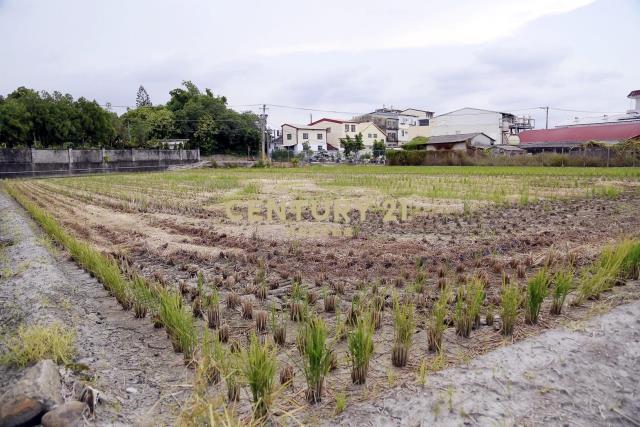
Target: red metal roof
{"points": [[609, 132], [330, 120], [634, 93]]}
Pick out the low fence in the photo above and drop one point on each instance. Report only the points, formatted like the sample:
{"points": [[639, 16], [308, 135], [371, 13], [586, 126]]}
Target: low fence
{"points": [[16, 163]]}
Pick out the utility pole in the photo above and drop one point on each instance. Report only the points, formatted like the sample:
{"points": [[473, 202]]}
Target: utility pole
{"points": [[546, 122], [263, 129]]}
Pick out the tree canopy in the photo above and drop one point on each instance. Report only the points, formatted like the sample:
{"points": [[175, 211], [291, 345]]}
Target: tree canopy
{"points": [[352, 145], [39, 119]]}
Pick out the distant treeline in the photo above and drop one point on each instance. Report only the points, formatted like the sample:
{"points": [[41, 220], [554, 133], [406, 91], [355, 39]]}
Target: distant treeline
{"points": [[29, 118]]}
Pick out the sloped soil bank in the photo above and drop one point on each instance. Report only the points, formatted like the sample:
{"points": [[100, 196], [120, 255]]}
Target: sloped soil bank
{"points": [[128, 360], [583, 374]]}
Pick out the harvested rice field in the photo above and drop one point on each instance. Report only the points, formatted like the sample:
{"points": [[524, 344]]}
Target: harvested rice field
{"points": [[295, 294]]}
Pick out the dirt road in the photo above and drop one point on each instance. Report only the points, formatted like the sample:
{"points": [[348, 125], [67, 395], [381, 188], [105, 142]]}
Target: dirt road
{"points": [[585, 374], [127, 359]]}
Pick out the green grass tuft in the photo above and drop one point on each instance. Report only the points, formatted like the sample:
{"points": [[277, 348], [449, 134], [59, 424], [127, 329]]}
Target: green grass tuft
{"points": [[38, 342], [259, 368]]}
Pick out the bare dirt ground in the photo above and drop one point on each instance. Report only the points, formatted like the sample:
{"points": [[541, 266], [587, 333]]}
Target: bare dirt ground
{"points": [[115, 353], [583, 374]]}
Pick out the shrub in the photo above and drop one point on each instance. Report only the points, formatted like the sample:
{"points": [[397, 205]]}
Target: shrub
{"points": [[563, 282], [537, 289], [37, 342], [509, 307], [404, 328], [361, 349], [316, 358], [259, 370]]}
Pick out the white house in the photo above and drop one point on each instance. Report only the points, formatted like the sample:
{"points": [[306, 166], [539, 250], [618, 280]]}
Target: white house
{"points": [[411, 123], [495, 124], [295, 136], [336, 130], [340, 129]]}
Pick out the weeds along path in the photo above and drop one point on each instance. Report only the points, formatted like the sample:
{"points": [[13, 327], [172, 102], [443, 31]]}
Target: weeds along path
{"points": [[127, 359], [584, 374]]}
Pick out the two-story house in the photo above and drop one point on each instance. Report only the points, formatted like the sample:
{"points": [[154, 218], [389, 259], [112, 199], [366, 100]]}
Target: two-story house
{"points": [[340, 129], [294, 137], [397, 124]]}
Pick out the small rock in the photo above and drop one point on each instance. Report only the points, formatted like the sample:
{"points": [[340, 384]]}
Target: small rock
{"points": [[67, 415], [20, 410], [40, 382], [132, 390]]}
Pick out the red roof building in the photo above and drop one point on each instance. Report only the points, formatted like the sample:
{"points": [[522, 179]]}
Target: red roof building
{"points": [[613, 132]]}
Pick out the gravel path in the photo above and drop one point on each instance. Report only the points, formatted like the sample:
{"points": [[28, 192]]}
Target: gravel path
{"points": [[127, 359], [586, 374]]}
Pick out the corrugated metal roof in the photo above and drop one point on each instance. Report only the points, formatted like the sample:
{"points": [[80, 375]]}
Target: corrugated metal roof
{"points": [[608, 132], [634, 93], [460, 137]]}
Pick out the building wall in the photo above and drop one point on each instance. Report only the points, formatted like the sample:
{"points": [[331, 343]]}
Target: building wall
{"points": [[370, 133], [337, 131], [457, 146], [301, 135], [469, 120], [419, 131], [31, 162]]}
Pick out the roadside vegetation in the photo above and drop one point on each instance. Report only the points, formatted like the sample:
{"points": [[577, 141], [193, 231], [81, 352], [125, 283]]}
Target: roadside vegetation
{"points": [[33, 343]]}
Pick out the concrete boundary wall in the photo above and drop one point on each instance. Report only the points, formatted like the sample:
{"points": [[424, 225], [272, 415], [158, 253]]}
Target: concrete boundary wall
{"points": [[18, 163]]}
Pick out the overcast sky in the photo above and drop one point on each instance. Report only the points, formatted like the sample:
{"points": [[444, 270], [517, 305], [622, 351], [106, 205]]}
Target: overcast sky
{"points": [[347, 56]]}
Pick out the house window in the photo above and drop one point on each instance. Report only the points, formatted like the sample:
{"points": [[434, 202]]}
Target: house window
{"points": [[369, 135], [288, 137], [353, 128], [305, 135], [319, 136], [346, 128], [375, 135]]}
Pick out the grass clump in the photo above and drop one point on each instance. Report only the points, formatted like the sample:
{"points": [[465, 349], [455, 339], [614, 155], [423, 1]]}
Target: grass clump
{"points": [[509, 307], [615, 262], [361, 349], [468, 303], [436, 321], [38, 342], [563, 284], [341, 402], [259, 368], [404, 328], [537, 289], [316, 357], [179, 323]]}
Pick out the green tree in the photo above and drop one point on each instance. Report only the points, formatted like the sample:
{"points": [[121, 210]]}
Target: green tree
{"points": [[378, 149], [352, 145], [142, 98]]}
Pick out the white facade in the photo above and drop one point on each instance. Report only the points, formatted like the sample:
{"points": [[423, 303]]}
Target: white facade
{"points": [[409, 120], [473, 120], [336, 130], [295, 136]]}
